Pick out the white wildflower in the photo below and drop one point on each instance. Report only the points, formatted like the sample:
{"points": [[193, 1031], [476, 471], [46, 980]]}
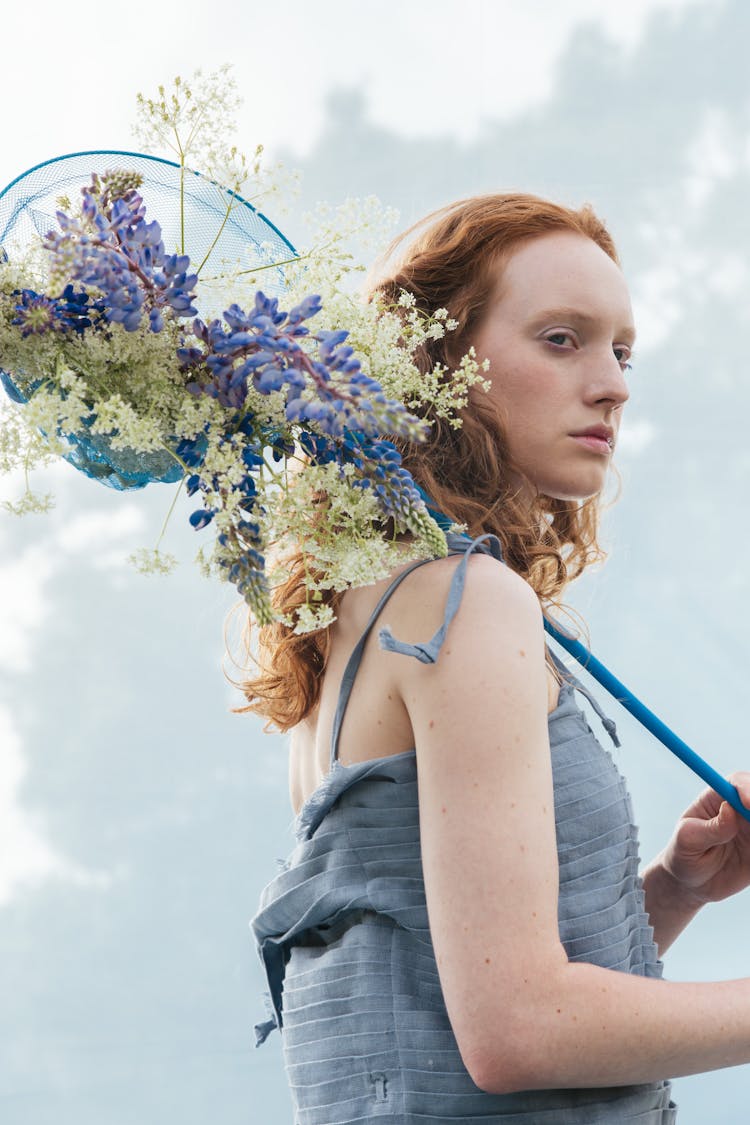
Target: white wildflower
{"points": [[309, 618], [152, 561], [121, 396], [36, 502]]}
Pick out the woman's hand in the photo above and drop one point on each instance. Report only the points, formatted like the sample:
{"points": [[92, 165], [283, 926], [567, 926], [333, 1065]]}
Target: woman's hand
{"points": [[708, 856]]}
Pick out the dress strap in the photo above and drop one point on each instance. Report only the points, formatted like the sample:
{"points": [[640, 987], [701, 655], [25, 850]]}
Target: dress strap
{"points": [[427, 652], [457, 544], [568, 677], [353, 663]]}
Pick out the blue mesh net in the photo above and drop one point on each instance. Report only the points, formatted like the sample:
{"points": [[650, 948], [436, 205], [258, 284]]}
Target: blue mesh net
{"points": [[218, 229]]}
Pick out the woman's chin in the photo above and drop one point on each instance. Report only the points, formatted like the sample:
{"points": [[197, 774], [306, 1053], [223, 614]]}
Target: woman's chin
{"points": [[580, 487]]}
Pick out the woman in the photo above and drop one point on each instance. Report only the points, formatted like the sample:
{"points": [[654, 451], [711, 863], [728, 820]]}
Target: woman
{"points": [[461, 933]]}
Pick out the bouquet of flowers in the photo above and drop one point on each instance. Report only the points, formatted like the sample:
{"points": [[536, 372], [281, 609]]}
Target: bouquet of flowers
{"points": [[140, 365]]}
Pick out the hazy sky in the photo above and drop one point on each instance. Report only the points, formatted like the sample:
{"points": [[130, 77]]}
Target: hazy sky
{"points": [[138, 818], [427, 68]]}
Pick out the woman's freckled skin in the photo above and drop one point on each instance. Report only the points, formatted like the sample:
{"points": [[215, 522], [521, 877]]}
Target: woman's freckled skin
{"points": [[432, 723], [521, 652]]}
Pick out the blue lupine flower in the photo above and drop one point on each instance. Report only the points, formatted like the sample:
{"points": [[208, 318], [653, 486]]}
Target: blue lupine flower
{"points": [[115, 269], [192, 451], [36, 314], [307, 307], [125, 259], [201, 518]]}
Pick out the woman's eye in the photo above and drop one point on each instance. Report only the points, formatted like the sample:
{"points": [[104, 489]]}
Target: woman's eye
{"points": [[622, 355], [559, 339]]}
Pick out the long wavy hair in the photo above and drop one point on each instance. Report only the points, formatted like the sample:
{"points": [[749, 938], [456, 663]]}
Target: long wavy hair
{"points": [[449, 260]]}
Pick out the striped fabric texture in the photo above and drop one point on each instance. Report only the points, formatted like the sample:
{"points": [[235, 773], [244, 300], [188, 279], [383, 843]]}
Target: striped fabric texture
{"points": [[344, 938]]}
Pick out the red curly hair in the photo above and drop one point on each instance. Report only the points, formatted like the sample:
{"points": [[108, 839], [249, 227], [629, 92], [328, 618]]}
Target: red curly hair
{"points": [[449, 260]]}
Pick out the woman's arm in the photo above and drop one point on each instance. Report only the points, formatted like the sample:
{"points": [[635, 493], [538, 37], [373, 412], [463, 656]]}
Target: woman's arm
{"points": [[524, 1017], [668, 907]]}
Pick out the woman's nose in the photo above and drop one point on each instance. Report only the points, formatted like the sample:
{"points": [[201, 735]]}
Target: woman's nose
{"points": [[608, 381]]}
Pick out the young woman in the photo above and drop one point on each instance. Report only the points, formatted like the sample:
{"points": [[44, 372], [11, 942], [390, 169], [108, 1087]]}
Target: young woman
{"points": [[461, 934]]}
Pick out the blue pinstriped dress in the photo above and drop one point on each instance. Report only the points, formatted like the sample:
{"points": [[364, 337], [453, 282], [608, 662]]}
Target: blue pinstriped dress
{"points": [[344, 937]]}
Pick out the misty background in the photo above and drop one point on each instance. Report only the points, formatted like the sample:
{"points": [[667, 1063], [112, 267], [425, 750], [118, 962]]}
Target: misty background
{"points": [[139, 818]]}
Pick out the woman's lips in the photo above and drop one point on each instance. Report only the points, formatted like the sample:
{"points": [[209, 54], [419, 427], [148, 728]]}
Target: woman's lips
{"points": [[594, 442]]}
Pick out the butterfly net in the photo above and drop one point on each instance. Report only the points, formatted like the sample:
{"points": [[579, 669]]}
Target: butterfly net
{"points": [[223, 234]]}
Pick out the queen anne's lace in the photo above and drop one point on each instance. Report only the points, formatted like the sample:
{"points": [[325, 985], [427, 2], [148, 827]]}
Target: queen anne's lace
{"points": [[263, 413]]}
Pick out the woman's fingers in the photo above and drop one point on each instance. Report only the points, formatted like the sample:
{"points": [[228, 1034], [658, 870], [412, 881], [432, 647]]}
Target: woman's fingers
{"points": [[698, 834], [723, 827], [741, 781], [708, 802]]}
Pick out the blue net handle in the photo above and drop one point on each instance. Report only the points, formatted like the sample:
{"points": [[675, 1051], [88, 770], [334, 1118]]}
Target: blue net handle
{"points": [[647, 718]]}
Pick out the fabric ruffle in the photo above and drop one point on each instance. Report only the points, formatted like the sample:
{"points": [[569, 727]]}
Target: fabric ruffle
{"points": [[344, 937]]}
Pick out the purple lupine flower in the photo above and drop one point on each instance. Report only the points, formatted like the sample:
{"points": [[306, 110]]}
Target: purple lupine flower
{"points": [[36, 314], [115, 250]]}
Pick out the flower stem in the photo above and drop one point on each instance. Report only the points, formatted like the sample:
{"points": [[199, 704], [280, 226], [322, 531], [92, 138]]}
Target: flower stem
{"points": [[185, 467], [169, 513], [259, 269], [217, 237], [275, 475], [181, 152]]}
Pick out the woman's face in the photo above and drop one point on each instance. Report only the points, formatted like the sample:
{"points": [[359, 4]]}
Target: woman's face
{"points": [[558, 331]]}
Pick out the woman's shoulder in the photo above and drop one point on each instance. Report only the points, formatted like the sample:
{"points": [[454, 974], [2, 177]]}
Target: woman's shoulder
{"points": [[416, 607], [490, 593]]}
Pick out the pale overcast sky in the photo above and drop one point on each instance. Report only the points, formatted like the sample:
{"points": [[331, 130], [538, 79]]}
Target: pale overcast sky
{"points": [[138, 820], [425, 67]]}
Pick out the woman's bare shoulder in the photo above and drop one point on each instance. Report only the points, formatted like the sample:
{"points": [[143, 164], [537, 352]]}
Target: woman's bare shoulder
{"points": [[492, 593]]}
